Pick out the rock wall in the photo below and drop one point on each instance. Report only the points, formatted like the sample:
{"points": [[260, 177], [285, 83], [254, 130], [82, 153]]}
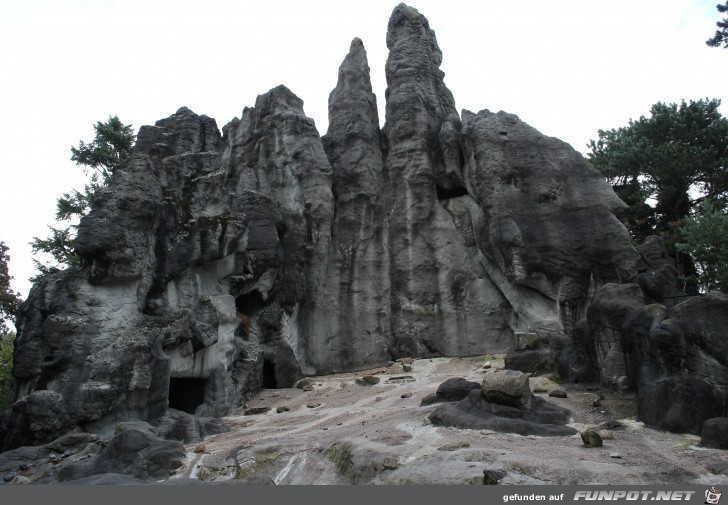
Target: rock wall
{"points": [[215, 264]]}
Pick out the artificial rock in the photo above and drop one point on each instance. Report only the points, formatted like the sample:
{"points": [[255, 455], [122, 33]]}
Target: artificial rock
{"points": [[216, 263]]}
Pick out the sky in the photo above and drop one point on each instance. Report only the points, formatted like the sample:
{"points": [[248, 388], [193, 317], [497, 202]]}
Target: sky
{"points": [[566, 67]]}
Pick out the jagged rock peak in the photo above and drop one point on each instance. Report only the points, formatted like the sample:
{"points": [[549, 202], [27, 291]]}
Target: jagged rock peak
{"points": [[406, 23], [352, 105]]}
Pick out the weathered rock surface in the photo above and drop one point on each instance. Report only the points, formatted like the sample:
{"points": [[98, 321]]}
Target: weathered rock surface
{"points": [[455, 389], [216, 264], [134, 452], [478, 413], [715, 433], [550, 224], [503, 403], [675, 358], [509, 387]]}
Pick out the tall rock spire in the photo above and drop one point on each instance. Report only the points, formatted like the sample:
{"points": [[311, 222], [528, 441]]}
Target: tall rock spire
{"points": [[442, 299], [358, 274]]}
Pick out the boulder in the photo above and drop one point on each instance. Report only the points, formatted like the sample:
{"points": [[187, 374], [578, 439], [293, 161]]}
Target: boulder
{"points": [[591, 438], [509, 387], [477, 413], [455, 389], [133, 452], [530, 361]]}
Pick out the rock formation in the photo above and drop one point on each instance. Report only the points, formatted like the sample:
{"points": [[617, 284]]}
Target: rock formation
{"points": [[675, 357], [506, 404], [216, 263]]}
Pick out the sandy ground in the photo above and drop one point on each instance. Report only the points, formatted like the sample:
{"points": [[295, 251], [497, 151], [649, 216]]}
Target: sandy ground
{"points": [[344, 432]]}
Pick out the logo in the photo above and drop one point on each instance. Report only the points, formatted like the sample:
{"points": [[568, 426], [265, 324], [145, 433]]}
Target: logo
{"points": [[712, 496]]}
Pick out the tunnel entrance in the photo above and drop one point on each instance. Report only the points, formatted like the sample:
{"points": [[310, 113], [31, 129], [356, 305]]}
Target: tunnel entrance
{"points": [[186, 393], [269, 375], [448, 193]]}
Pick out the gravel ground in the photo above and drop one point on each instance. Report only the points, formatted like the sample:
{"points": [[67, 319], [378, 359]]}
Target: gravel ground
{"points": [[344, 432]]}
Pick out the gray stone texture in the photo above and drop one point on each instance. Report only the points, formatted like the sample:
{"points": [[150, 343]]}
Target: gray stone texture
{"points": [[480, 413], [217, 263], [674, 357]]}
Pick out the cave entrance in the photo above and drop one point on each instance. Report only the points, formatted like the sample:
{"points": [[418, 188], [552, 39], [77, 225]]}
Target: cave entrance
{"points": [[186, 393], [448, 193], [249, 302], [269, 375]]}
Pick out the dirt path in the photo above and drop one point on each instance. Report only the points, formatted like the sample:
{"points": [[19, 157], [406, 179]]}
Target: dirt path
{"points": [[343, 432]]}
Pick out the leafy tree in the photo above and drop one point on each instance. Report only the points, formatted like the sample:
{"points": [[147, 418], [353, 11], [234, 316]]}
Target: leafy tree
{"points": [[676, 158], [6, 368], [721, 34], [705, 239], [112, 144], [9, 301]]}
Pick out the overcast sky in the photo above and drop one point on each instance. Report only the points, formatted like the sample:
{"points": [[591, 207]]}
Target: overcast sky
{"points": [[566, 67]]}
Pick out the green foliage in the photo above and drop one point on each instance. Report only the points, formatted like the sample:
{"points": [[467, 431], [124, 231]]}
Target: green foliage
{"points": [[705, 239], [112, 144], [60, 247], [6, 368], [9, 301], [679, 152], [721, 34]]}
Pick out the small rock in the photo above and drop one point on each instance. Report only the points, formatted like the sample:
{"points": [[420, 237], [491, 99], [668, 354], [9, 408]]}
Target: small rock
{"points": [[53, 456], [378, 398], [308, 387], [23, 466], [591, 439], [282, 408], [492, 477], [606, 435], [252, 411], [200, 448], [558, 393], [303, 383], [406, 395], [406, 367], [487, 364], [367, 380], [313, 405], [615, 455]]}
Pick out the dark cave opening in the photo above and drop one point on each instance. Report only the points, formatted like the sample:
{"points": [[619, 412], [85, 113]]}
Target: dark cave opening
{"points": [[269, 375], [249, 302], [448, 193], [186, 393]]}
